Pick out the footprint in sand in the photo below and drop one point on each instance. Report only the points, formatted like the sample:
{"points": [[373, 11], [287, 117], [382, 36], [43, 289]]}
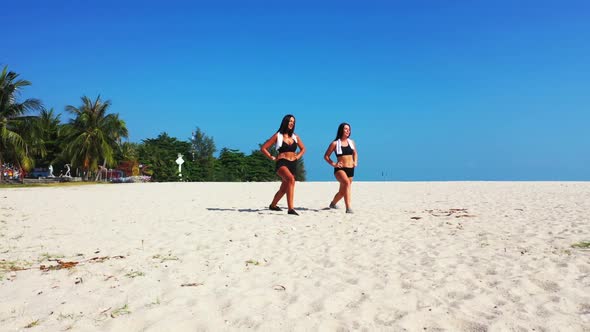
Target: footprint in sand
{"points": [[468, 326], [389, 318]]}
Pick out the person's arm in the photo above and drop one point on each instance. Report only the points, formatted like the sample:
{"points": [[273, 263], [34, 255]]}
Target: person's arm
{"points": [[328, 153], [355, 155], [264, 148], [301, 148]]}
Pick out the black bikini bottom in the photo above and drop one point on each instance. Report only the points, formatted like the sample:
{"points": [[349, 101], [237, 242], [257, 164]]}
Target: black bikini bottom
{"points": [[348, 170], [290, 164]]}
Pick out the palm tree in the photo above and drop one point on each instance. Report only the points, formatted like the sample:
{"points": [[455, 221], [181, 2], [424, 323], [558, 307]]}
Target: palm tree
{"points": [[43, 137], [127, 151], [13, 148], [93, 135]]}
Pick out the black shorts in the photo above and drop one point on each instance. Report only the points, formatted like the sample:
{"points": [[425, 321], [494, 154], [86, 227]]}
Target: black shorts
{"points": [[348, 170], [290, 164]]}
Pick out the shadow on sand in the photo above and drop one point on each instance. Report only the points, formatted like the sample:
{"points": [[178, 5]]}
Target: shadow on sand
{"points": [[263, 210]]}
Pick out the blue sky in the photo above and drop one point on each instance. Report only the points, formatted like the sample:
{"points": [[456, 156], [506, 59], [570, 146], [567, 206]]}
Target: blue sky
{"points": [[433, 90]]}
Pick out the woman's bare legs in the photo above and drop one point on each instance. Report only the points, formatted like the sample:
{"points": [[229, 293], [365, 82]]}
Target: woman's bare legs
{"points": [[287, 187], [280, 193], [345, 190]]}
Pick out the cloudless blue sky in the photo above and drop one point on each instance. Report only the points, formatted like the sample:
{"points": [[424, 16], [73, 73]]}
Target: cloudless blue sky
{"points": [[433, 90]]}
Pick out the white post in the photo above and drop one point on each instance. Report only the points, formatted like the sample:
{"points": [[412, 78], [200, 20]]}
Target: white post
{"points": [[180, 161]]}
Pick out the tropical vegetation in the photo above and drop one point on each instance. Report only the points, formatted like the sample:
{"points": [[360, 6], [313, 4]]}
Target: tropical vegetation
{"points": [[91, 143], [93, 135], [14, 122]]}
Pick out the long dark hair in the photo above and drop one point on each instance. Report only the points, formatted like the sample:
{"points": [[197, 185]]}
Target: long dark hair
{"points": [[341, 130], [284, 128]]}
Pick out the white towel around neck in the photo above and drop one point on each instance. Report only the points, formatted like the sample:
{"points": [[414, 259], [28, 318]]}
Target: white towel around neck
{"points": [[280, 140], [339, 145]]}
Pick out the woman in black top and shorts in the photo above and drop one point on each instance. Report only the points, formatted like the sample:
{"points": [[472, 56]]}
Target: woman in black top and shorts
{"points": [[347, 157], [286, 143]]}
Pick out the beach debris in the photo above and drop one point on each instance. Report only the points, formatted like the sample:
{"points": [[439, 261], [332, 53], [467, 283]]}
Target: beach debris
{"points": [[162, 259], [457, 213], [279, 288], [78, 280], [252, 261], [60, 265], [105, 310], [464, 216], [49, 257], [32, 324], [134, 274], [154, 303], [124, 310], [416, 218], [68, 265], [103, 258], [582, 245], [13, 266], [192, 284]]}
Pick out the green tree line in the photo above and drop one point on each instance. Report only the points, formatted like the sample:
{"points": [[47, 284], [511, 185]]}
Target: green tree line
{"points": [[92, 140]]}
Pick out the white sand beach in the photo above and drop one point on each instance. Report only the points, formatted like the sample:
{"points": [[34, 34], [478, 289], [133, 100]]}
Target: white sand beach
{"points": [[429, 256]]}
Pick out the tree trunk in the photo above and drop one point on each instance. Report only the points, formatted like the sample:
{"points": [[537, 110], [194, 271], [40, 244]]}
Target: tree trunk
{"points": [[20, 168], [99, 173]]}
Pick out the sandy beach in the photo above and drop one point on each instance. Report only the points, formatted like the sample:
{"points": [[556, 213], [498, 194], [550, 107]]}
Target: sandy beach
{"points": [[423, 256]]}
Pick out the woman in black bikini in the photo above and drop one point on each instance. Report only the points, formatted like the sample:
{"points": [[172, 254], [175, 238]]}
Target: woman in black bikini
{"points": [[286, 143], [347, 156]]}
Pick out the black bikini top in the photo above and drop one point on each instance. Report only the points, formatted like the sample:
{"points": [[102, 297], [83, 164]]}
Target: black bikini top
{"points": [[284, 147], [345, 151], [288, 147]]}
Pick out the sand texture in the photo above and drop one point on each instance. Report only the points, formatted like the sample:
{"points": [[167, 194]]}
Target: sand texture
{"points": [[425, 256]]}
